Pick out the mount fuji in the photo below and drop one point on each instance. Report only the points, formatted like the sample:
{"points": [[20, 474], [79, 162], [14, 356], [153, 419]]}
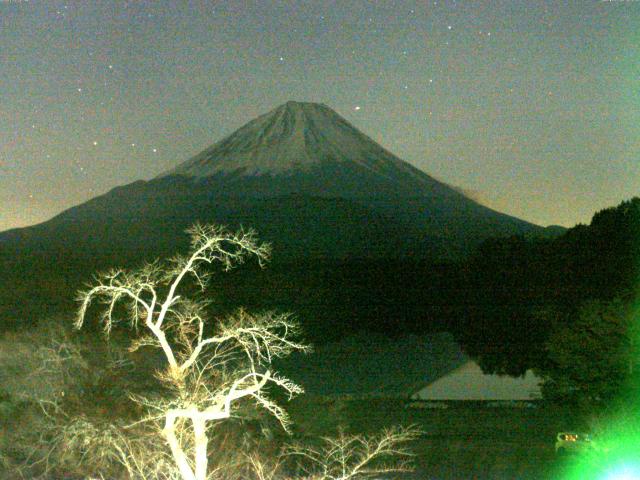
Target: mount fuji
{"points": [[304, 177]]}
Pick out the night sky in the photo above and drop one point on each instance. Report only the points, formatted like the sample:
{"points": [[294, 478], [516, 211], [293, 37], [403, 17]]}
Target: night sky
{"points": [[532, 107]]}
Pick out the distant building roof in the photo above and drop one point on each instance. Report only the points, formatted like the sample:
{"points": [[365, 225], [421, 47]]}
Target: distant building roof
{"points": [[468, 382]]}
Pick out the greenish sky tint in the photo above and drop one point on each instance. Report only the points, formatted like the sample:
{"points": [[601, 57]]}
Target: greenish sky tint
{"points": [[532, 107]]}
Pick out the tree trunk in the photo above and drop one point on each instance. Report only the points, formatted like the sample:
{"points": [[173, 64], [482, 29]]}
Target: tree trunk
{"points": [[176, 450], [201, 441]]}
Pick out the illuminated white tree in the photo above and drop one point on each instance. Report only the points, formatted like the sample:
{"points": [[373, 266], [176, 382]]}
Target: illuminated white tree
{"points": [[210, 366]]}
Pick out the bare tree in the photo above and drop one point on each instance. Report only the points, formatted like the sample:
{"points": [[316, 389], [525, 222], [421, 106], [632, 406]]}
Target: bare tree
{"points": [[207, 373], [351, 457]]}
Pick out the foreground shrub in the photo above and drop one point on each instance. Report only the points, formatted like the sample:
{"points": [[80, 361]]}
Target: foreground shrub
{"points": [[347, 457]]}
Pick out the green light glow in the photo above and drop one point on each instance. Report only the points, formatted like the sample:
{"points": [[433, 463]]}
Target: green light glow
{"points": [[616, 452], [626, 471], [617, 457]]}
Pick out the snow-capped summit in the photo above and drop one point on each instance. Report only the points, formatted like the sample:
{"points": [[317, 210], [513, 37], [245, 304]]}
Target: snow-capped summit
{"points": [[292, 138]]}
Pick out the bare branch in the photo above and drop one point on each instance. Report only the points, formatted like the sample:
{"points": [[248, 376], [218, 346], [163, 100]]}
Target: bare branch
{"points": [[207, 374]]}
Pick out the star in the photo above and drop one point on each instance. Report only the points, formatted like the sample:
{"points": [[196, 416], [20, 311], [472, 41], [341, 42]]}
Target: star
{"points": [[95, 143]]}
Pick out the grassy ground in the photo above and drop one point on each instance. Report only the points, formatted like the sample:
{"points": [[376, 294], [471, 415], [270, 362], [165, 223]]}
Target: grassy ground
{"points": [[463, 441]]}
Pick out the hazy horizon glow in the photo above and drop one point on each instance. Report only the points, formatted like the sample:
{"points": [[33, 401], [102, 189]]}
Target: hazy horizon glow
{"points": [[532, 108]]}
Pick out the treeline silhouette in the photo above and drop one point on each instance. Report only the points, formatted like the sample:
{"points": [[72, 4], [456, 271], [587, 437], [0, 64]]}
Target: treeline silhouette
{"points": [[523, 290], [502, 303]]}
